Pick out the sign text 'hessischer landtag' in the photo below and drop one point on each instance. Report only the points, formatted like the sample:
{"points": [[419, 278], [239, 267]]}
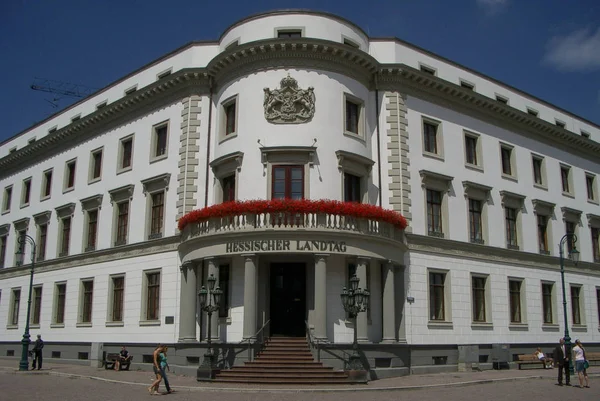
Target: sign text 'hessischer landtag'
{"points": [[284, 245]]}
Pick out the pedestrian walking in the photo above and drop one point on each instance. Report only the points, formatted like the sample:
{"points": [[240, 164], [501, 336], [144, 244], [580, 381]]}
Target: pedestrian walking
{"points": [[164, 366], [562, 354], [153, 389], [37, 353], [579, 357]]}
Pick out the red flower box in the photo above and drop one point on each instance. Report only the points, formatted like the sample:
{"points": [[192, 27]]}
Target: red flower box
{"points": [[323, 206]]}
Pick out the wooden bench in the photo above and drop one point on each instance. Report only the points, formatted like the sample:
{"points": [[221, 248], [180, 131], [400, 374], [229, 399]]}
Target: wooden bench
{"points": [[528, 359], [111, 358], [592, 357]]}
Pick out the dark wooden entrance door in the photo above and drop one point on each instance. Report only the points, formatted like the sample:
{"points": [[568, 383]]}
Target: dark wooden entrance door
{"points": [[288, 299]]}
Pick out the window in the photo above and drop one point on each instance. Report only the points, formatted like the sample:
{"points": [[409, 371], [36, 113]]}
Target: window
{"points": [[160, 141], [427, 70], [514, 288], [164, 74], [130, 90], [229, 112], [47, 184], [506, 155], [565, 177], [60, 290], [542, 223], [436, 296], [547, 307], [125, 154], [118, 290], [42, 239], [288, 182], [152, 295], [289, 33], [585, 134], [353, 115], [560, 124], [70, 175], [478, 288], [230, 118], [502, 99], [14, 307], [92, 230], [20, 245], [532, 112], [157, 215], [101, 105], [434, 213], [576, 305], [352, 192], [595, 244], [228, 184], [510, 216], [467, 85], [26, 195], [7, 199], [570, 229], [65, 236], [471, 149], [538, 165], [475, 221], [224, 286], [87, 295], [95, 165], [75, 118], [52, 130], [233, 44], [37, 305], [590, 185], [430, 137], [155, 190], [350, 43], [122, 223], [3, 241]]}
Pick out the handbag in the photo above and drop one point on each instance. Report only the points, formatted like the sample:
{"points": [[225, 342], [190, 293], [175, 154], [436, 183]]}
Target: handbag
{"points": [[586, 364]]}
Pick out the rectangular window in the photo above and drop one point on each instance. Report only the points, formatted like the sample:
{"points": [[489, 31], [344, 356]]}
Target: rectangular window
{"points": [[478, 284], [575, 304], [14, 310], [585, 134], [352, 191], [502, 99], [47, 184], [434, 213], [564, 176], [65, 238], [122, 223], [570, 229], [70, 174], [289, 33], [126, 153], [37, 305], [598, 301], [7, 199], [436, 296], [153, 296], [430, 137], [157, 215], [589, 185], [537, 170], [427, 70], [547, 290], [288, 182], [467, 85], [224, 286], [560, 124], [228, 188], [511, 227], [471, 149], [118, 290], [160, 140], [26, 192], [348, 42], [3, 241], [542, 223], [96, 165], [514, 287], [42, 239], [230, 114], [87, 294], [475, 222], [20, 246], [595, 244], [61, 297], [92, 230], [532, 112], [506, 155], [352, 116]]}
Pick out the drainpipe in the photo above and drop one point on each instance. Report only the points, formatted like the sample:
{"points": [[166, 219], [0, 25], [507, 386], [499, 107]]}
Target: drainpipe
{"points": [[210, 107], [378, 139]]}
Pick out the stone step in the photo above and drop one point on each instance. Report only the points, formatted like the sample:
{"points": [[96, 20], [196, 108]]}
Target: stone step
{"points": [[252, 374], [283, 380]]}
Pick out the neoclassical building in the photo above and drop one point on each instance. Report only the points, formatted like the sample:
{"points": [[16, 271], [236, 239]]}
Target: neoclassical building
{"points": [[462, 189]]}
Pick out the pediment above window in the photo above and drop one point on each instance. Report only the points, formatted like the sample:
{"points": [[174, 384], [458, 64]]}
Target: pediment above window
{"points": [[64, 211], [572, 215], [4, 229], [156, 183], [91, 202], [477, 191], [121, 194], [288, 154], [349, 161], [437, 181], [593, 220], [227, 164], [543, 208], [512, 200], [21, 224], [42, 218]]}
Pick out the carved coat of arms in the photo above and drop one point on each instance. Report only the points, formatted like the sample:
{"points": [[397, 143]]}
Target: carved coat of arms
{"points": [[289, 104]]}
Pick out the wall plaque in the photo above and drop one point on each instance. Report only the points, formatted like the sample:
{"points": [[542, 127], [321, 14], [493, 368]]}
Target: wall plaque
{"points": [[289, 104]]}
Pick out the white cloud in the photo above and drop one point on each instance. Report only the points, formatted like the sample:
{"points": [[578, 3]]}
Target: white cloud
{"points": [[492, 6], [577, 51]]}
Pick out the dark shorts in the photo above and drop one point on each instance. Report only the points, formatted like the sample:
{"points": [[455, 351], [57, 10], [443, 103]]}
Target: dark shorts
{"points": [[156, 371]]}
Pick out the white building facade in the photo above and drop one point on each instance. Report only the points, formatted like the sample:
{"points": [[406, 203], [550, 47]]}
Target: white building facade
{"points": [[302, 105]]}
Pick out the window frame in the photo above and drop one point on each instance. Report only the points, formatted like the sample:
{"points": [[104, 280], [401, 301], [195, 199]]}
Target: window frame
{"points": [[568, 180], [144, 319], [46, 189], [428, 69], [360, 118], [86, 303], [485, 297], [95, 166], [121, 155], [113, 305], [224, 134], [466, 84], [59, 305], [514, 201], [542, 171], [431, 181], [591, 186], [595, 237], [512, 159], [225, 305], [70, 176], [151, 187], [7, 199], [439, 138], [288, 169], [477, 151], [26, 192], [3, 246], [64, 242], [280, 32], [549, 301], [577, 305], [36, 307], [222, 168], [522, 302], [119, 196], [15, 308], [154, 143]]}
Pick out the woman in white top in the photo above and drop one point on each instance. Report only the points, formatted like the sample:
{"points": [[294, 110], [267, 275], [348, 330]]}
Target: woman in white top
{"points": [[579, 356]]}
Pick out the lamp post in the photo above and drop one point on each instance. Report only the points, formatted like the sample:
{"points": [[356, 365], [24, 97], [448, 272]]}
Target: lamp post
{"points": [[22, 240], [354, 301], [209, 302], [574, 255]]}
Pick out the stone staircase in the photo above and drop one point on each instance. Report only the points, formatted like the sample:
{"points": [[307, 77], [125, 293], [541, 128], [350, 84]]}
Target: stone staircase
{"points": [[284, 360]]}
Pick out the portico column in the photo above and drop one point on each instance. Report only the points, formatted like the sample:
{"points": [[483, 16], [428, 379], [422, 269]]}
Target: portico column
{"points": [[187, 307], [320, 316], [361, 319], [250, 298], [213, 268], [389, 304]]}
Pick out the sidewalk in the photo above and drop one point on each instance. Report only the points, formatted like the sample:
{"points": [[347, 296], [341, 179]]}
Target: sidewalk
{"points": [[188, 383]]}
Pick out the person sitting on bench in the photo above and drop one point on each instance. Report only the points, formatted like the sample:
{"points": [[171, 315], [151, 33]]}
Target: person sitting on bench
{"points": [[123, 358], [548, 362]]}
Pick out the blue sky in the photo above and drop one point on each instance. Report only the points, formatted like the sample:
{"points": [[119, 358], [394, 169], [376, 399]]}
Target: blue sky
{"points": [[549, 48]]}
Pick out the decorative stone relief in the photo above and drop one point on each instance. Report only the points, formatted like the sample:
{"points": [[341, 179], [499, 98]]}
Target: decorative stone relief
{"points": [[289, 104]]}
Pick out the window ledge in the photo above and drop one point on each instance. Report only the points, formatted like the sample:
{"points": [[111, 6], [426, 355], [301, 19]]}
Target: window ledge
{"points": [[510, 177], [224, 138], [482, 326], [115, 324], [150, 322], [512, 247], [354, 135], [43, 198], [34, 326], [579, 327], [124, 170], [433, 156], [474, 167], [81, 324], [94, 180], [540, 186], [159, 158], [568, 195], [593, 202], [12, 326], [57, 326], [67, 190], [24, 205], [550, 327], [518, 326], [5, 212], [435, 324]]}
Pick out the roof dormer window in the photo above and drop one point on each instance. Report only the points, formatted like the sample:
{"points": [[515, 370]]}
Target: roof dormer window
{"points": [[289, 33]]}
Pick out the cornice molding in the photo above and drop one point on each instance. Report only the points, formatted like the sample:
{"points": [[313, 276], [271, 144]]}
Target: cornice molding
{"points": [[593, 220], [122, 193], [66, 210], [91, 202], [543, 207], [343, 155], [42, 217], [21, 224], [267, 151], [156, 183]]}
